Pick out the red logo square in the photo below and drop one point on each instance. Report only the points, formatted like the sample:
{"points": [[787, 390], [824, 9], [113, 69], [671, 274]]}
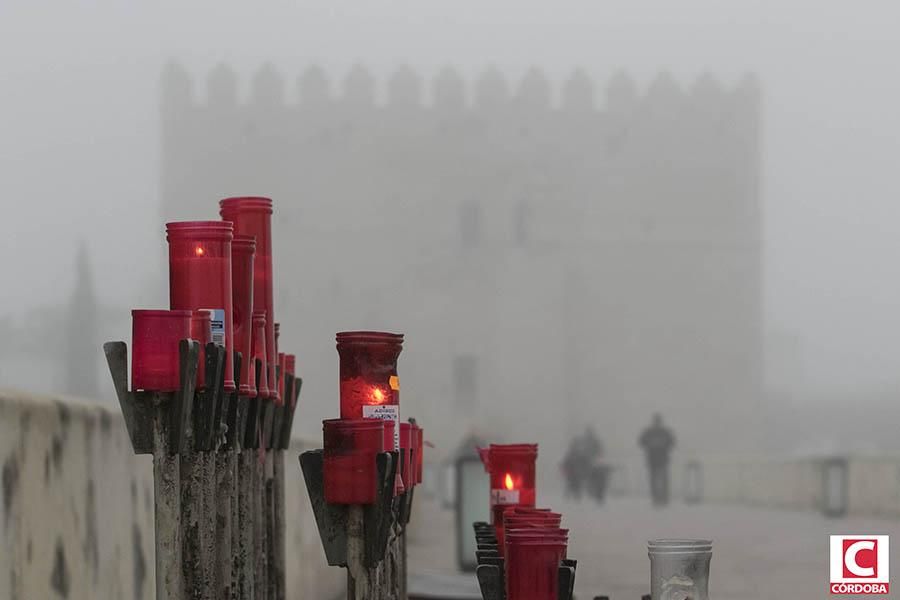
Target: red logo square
{"points": [[860, 558]]}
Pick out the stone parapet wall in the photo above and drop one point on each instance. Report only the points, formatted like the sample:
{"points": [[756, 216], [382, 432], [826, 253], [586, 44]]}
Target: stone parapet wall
{"points": [[76, 508]]}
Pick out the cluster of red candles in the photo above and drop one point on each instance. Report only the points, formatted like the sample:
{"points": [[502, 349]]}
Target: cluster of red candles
{"points": [[370, 421], [220, 291], [529, 539]]}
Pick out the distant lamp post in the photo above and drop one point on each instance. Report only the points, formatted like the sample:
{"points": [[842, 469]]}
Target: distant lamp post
{"points": [[693, 482], [473, 489], [835, 483]]}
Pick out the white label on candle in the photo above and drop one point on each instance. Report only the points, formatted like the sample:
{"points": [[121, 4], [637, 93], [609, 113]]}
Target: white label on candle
{"points": [[504, 496], [217, 324], [388, 412]]}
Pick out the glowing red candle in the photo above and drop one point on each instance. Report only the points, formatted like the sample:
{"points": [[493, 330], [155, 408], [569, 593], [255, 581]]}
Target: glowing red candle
{"points": [[243, 248], [512, 470], [370, 387], [259, 352], [201, 330], [253, 216], [155, 338], [200, 277]]}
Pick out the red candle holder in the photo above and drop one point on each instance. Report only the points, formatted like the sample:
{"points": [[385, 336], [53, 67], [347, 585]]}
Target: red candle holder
{"points": [[259, 353], [155, 337], [512, 470], [253, 216], [350, 470], [201, 330], [370, 387], [525, 523], [243, 250], [200, 277], [532, 567]]}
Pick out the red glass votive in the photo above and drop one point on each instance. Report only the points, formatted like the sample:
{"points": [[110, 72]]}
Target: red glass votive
{"points": [[155, 337], [259, 352], [511, 520], [253, 216], [200, 277], [370, 387], [532, 567], [350, 470], [512, 470], [243, 249], [202, 332]]}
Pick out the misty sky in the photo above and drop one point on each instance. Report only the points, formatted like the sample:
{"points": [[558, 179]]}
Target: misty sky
{"points": [[79, 141]]}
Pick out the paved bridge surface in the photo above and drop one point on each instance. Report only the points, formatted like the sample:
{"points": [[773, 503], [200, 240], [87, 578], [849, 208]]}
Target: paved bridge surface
{"points": [[758, 553]]}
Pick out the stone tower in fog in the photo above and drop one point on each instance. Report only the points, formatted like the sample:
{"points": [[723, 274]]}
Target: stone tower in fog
{"points": [[555, 256]]}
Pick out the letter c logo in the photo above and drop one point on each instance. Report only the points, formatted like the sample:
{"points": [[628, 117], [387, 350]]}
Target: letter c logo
{"points": [[850, 558]]}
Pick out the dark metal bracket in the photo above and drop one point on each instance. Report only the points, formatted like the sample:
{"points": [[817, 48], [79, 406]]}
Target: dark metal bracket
{"points": [[294, 384], [207, 413], [251, 416], [138, 408], [331, 519]]}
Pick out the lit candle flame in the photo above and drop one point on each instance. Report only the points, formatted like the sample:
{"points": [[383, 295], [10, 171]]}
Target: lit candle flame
{"points": [[377, 395], [508, 482], [199, 251]]}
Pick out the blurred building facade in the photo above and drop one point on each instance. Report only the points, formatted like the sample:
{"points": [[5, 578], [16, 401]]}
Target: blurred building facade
{"points": [[557, 257]]}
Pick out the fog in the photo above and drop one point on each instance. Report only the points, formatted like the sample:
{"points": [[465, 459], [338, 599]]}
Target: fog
{"points": [[80, 151], [580, 213]]}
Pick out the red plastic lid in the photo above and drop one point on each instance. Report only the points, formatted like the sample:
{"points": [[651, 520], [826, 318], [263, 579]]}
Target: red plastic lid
{"points": [[245, 203], [169, 314], [194, 230], [512, 449], [345, 337], [353, 424], [243, 243]]}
